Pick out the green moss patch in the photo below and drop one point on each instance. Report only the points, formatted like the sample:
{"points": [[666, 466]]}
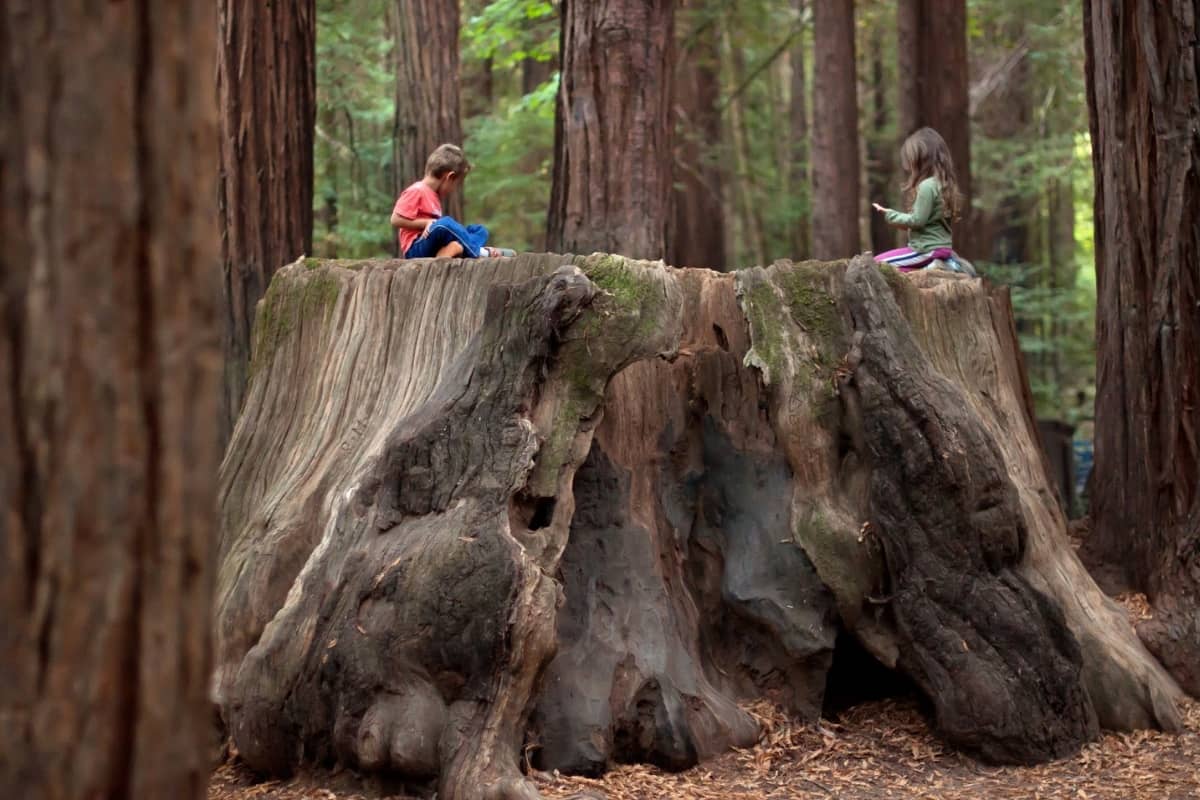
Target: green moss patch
{"points": [[764, 311], [292, 296], [630, 290], [796, 328]]}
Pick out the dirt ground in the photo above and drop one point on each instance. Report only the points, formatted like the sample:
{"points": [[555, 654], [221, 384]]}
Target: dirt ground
{"points": [[876, 751]]}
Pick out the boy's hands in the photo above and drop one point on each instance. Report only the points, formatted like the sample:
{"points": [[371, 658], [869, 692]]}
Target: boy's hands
{"points": [[878, 207]]}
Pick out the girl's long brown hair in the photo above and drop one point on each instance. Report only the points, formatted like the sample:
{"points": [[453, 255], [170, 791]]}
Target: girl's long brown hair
{"points": [[925, 155]]}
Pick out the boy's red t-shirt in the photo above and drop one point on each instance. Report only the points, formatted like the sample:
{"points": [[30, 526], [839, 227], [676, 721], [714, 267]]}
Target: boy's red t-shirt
{"points": [[416, 202]]}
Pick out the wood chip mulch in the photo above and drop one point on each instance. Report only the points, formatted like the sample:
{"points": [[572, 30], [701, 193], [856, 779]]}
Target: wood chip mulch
{"points": [[884, 750]]}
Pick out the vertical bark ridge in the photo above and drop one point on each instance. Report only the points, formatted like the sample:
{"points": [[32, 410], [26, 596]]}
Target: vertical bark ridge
{"points": [[266, 84], [835, 157], [613, 134], [1145, 487], [112, 354]]}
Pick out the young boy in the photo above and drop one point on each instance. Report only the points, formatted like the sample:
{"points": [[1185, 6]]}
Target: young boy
{"points": [[424, 231]]}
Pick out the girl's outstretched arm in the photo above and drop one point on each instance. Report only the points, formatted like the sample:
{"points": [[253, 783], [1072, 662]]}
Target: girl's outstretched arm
{"points": [[922, 209]]}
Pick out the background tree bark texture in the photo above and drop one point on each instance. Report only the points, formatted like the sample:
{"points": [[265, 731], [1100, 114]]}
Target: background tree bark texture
{"points": [[835, 166], [934, 87], [266, 84], [707, 463], [1145, 114], [697, 233], [427, 88], [109, 360], [613, 131]]}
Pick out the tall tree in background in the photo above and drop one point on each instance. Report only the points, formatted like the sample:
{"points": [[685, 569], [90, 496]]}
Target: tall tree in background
{"points": [[535, 72], [1145, 114], [1002, 109], [835, 164], [613, 132], [698, 229], [427, 87], [881, 153], [266, 84], [798, 114], [110, 365], [932, 42]]}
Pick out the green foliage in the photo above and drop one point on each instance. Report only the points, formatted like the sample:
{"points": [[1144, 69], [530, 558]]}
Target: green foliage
{"points": [[768, 197], [512, 149], [1032, 176], [510, 31], [353, 148], [1055, 326], [510, 136]]}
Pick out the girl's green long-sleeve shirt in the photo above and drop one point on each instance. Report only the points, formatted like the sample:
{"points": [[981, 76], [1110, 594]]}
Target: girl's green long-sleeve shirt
{"points": [[927, 224]]}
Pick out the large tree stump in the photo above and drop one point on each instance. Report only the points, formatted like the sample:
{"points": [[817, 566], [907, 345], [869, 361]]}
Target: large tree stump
{"points": [[582, 507]]}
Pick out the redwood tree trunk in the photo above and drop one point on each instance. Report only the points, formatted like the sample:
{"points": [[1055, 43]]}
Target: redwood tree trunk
{"points": [[1145, 114], [109, 368], [698, 229], [427, 88], [835, 132], [613, 133], [266, 85], [934, 85]]}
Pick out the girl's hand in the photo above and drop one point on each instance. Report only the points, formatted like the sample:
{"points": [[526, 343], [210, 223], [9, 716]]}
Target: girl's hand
{"points": [[878, 207]]}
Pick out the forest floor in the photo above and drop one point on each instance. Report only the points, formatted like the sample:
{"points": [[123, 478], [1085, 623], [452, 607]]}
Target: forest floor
{"points": [[881, 750]]}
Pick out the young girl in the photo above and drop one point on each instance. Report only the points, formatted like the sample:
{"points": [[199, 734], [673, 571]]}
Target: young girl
{"points": [[932, 193]]}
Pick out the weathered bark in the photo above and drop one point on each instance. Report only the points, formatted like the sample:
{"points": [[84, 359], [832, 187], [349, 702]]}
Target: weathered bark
{"points": [[934, 86], [427, 88], [852, 475], [444, 615], [683, 591], [835, 162], [697, 233], [613, 129], [425, 446], [266, 87], [109, 363], [1145, 113]]}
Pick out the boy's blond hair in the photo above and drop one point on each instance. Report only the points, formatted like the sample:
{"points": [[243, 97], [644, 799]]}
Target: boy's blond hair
{"points": [[447, 158]]}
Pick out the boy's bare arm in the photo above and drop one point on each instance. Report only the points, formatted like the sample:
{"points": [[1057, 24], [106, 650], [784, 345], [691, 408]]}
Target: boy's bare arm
{"points": [[399, 221]]}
